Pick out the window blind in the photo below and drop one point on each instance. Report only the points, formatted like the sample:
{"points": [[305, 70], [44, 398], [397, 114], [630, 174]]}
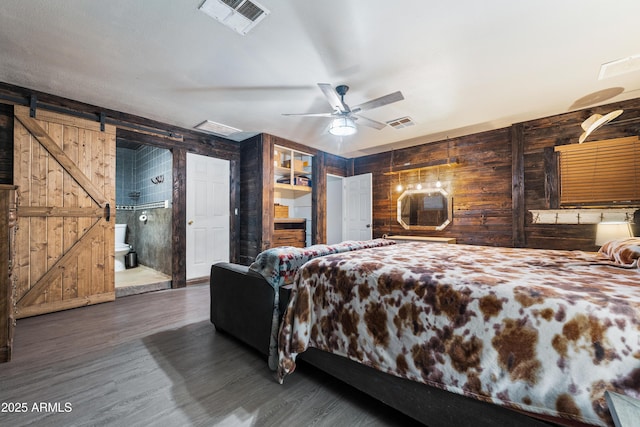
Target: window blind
{"points": [[600, 172]]}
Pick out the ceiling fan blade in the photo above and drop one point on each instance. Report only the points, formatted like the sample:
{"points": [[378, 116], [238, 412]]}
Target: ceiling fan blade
{"points": [[379, 102], [333, 98], [368, 122], [309, 114]]}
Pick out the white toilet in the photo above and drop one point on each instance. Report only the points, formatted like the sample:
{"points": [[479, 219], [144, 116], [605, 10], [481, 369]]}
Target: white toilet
{"points": [[121, 247]]}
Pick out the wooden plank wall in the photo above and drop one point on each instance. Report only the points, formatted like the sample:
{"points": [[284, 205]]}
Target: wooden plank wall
{"points": [[540, 136], [500, 176], [480, 184], [6, 144], [336, 165], [129, 129], [251, 199]]}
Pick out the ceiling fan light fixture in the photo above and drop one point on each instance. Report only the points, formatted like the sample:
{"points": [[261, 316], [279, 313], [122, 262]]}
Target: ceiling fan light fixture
{"points": [[342, 126]]}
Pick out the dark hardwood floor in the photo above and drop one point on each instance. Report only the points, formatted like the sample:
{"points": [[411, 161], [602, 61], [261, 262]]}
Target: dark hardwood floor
{"points": [[155, 359]]}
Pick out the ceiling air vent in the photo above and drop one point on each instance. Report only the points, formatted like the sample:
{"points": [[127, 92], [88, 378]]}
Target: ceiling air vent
{"points": [[217, 128], [400, 123], [239, 15], [619, 66]]}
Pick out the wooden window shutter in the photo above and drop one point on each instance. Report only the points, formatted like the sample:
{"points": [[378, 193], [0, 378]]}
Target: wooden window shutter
{"points": [[600, 172]]}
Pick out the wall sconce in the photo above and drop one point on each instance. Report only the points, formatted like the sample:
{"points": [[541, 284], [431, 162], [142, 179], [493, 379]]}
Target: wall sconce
{"points": [[399, 186], [607, 231]]}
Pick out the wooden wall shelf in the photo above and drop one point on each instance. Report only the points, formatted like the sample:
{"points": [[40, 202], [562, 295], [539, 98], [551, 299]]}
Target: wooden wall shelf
{"points": [[424, 239], [581, 216], [288, 220], [415, 166], [290, 187]]}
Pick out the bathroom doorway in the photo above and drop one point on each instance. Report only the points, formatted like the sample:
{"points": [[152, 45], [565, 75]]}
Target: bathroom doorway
{"points": [[144, 204]]}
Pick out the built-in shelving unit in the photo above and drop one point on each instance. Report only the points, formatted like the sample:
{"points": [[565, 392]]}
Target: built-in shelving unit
{"points": [[293, 182], [292, 170]]}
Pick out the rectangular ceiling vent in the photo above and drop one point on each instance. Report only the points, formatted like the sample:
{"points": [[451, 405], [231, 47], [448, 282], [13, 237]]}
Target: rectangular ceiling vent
{"points": [[217, 128], [239, 15], [400, 123], [619, 67]]}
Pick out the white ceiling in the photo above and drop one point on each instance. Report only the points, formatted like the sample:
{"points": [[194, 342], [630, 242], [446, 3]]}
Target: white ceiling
{"points": [[463, 66]]}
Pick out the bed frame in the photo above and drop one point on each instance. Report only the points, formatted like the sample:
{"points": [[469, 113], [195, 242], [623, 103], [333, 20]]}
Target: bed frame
{"points": [[242, 306]]}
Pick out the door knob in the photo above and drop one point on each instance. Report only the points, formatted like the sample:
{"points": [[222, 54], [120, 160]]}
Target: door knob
{"points": [[190, 222], [368, 226]]}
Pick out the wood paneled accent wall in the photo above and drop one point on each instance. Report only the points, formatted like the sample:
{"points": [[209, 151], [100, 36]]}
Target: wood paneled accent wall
{"points": [[6, 144], [480, 184], [501, 175], [253, 200], [140, 130], [540, 186]]}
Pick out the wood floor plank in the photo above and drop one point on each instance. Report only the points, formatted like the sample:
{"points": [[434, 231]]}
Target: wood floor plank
{"points": [[155, 359]]}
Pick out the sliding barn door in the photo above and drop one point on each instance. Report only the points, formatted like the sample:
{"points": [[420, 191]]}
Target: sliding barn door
{"points": [[64, 168]]}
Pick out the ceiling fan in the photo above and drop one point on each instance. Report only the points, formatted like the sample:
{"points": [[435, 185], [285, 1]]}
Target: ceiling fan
{"points": [[344, 122]]}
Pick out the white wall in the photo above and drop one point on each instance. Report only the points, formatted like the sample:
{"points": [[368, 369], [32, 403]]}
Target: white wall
{"points": [[334, 209]]}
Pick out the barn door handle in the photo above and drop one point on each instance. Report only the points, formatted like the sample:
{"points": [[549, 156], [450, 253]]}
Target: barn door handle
{"points": [[107, 212]]}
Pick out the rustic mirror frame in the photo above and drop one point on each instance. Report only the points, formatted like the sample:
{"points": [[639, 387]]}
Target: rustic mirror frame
{"points": [[435, 193]]}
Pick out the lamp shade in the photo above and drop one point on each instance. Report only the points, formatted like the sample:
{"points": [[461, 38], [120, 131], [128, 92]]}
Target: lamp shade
{"points": [[611, 231], [342, 126]]}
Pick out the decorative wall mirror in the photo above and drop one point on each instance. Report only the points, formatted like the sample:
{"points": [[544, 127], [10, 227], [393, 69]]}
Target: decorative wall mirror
{"points": [[426, 209]]}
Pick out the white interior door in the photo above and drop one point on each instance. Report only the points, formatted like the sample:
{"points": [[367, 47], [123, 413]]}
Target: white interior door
{"points": [[356, 204], [208, 197]]}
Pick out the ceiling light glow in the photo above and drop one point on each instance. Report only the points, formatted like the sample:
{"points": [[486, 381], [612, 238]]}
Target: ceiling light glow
{"points": [[342, 126]]}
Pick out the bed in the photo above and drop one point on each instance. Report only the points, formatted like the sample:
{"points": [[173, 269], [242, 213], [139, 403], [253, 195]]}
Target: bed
{"points": [[504, 336], [538, 331]]}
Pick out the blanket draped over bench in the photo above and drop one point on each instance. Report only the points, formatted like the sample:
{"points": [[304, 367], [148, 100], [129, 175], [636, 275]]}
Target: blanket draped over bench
{"points": [[538, 330], [280, 265]]}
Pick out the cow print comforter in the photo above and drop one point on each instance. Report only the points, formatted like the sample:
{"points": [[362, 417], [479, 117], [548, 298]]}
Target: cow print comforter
{"points": [[538, 330]]}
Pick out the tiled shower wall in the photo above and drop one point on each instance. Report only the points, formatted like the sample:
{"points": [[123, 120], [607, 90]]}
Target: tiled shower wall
{"points": [[135, 170], [147, 170]]}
